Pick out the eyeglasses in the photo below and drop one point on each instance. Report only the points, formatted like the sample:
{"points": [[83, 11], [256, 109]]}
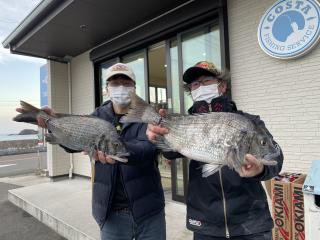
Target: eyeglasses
{"points": [[120, 82], [204, 82]]}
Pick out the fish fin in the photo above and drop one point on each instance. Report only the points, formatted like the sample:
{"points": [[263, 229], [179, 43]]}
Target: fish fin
{"points": [[140, 111], [91, 155], [119, 159], [27, 107], [30, 117], [29, 113], [60, 115], [160, 143], [199, 114], [210, 169], [50, 138]]}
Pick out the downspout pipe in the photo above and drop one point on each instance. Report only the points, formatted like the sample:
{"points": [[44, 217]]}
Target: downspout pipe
{"points": [[70, 112]]}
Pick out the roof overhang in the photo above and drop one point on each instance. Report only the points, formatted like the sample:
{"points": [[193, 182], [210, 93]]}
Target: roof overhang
{"points": [[62, 29]]}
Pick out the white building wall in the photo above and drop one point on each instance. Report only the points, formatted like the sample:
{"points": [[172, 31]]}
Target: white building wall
{"points": [[82, 97], [58, 95], [285, 93]]}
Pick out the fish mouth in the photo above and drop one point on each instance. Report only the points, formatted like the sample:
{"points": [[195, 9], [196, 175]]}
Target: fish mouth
{"points": [[268, 159], [121, 157]]}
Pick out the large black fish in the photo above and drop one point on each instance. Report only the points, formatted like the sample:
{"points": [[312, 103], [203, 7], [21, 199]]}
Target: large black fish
{"points": [[216, 138], [77, 132]]}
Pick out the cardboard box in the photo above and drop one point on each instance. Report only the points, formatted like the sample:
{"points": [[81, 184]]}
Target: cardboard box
{"points": [[287, 202], [267, 185], [281, 210], [297, 206]]}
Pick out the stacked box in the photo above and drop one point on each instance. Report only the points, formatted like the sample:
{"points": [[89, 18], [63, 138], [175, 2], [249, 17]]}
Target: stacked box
{"points": [[281, 210], [297, 204], [287, 207]]}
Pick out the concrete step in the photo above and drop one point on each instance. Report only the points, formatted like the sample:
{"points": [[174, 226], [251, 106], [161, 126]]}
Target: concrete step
{"points": [[65, 206], [61, 212]]}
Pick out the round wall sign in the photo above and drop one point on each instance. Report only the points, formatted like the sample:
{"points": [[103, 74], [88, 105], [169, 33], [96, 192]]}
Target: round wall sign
{"points": [[290, 28]]}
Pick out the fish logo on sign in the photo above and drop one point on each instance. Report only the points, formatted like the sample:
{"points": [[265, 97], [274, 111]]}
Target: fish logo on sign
{"points": [[290, 28]]}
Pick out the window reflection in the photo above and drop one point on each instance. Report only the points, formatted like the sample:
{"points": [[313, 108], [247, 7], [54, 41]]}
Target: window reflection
{"points": [[179, 179], [103, 68], [136, 62], [199, 46], [175, 77]]}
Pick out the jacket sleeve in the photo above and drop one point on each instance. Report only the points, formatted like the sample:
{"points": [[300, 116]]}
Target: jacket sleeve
{"points": [[141, 150], [172, 155], [268, 171]]}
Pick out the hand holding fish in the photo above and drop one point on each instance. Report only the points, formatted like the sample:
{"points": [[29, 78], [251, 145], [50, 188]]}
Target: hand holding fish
{"points": [[41, 121], [252, 168], [154, 130], [101, 157]]}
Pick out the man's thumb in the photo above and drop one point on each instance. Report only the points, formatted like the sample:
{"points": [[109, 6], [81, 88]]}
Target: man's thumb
{"points": [[163, 112]]}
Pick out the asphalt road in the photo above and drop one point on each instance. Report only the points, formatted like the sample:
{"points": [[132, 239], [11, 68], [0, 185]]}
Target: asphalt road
{"points": [[16, 224], [22, 163]]}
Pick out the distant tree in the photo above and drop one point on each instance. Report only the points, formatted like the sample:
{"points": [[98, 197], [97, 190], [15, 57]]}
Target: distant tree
{"points": [[28, 132]]}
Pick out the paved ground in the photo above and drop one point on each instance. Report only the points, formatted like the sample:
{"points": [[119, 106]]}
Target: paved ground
{"points": [[21, 164], [16, 224], [66, 206]]}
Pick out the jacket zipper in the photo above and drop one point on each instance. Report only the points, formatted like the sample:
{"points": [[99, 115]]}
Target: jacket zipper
{"points": [[125, 192], [122, 182], [224, 206]]}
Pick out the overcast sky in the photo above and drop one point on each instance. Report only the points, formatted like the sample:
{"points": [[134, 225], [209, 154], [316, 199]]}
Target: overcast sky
{"points": [[19, 75]]}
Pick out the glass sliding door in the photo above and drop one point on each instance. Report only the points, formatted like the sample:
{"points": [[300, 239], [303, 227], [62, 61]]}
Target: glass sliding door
{"points": [[157, 82], [159, 69], [137, 61], [175, 81], [188, 48], [200, 45], [103, 67]]}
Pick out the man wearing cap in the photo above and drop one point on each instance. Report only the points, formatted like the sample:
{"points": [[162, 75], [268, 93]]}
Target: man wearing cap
{"points": [[225, 205], [127, 199]]}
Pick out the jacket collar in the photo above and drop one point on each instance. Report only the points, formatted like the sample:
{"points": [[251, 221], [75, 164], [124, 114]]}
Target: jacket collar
{"points": [[110, 114]]}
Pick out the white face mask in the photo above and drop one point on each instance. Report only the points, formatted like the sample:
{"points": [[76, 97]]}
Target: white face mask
{"points": [[205, 93], [120, 95]]}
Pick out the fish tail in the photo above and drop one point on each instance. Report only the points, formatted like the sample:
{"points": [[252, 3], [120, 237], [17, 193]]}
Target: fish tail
{"points": [[28, 107], [29, 113], [141, 111]]}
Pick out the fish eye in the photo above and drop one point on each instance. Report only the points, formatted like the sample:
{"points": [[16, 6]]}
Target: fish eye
{"points": [[263, 142]]}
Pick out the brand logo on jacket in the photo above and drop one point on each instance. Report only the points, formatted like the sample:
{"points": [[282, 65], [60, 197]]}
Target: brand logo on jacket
{"points": [[290, 28], [194, 222]]}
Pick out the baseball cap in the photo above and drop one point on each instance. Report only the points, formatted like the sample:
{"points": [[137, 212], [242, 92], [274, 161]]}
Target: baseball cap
{"points": [[120, 68], [199, 69]]}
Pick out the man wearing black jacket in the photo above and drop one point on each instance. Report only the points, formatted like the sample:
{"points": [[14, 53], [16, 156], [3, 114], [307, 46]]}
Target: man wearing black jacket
{"points": [[225, 205], [127, 198]]}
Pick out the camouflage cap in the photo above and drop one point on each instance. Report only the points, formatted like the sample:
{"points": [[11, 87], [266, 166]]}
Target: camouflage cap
{"points": [[199, 69]]}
